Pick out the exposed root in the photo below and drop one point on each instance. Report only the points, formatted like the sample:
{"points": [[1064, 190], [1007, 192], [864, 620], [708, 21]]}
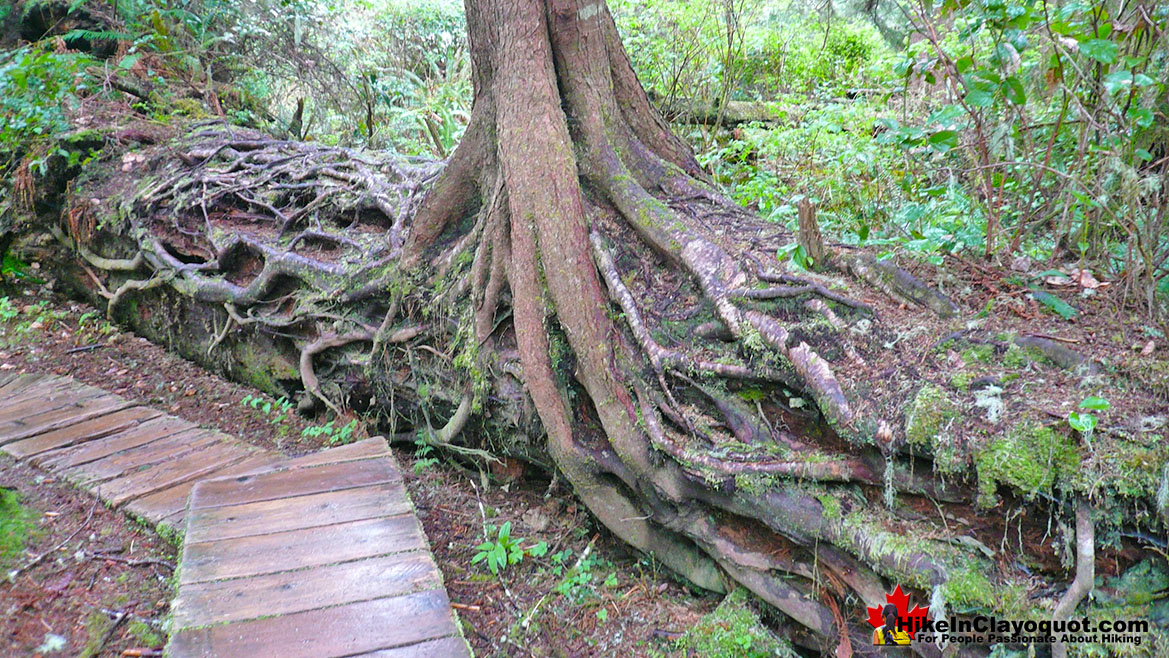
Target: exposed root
{"points": [[1085, 572]]}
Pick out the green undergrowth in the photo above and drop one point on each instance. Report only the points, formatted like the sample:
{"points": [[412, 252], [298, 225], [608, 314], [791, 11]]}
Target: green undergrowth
{"points": [[734, 629], [16, 527]]}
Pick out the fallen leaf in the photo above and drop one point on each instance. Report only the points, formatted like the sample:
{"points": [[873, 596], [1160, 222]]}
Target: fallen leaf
{"points": [[1148, 348]]}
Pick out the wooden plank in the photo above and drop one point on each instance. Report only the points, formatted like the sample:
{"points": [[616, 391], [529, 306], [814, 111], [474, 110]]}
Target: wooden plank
{"points": [[95, 428], [39, 399], [230, 521], [7, 378], [447, 647], [329, 633], [169, 505], [365, 449], [20, 383], [71, 415], [151, 430], [42, 388], [241, 599], [141, 457], [298, 482], [297, 549], [159, 476]]}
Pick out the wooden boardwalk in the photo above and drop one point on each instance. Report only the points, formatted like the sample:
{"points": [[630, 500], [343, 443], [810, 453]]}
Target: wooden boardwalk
{"points": [[318, 556]]}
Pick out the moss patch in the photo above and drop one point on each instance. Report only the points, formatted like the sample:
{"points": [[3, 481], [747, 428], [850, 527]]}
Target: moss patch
{"points": [[969, 590], [733, 629], [930, 414], [16, 525], [1030, 459]]}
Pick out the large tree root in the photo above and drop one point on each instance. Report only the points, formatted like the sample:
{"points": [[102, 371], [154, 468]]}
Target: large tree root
{"points": [[573, 292]]}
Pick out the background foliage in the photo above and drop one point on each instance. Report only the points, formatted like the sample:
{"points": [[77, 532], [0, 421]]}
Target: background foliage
{"points": [[996, 128]]}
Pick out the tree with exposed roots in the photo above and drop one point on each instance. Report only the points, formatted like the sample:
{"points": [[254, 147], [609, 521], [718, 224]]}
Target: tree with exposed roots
{"points": [[571, 289]]}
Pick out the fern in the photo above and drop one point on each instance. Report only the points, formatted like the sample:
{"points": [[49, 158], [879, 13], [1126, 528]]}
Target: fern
{"points": [[95, 35]]}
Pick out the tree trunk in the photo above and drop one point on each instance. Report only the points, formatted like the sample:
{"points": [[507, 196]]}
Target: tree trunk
{"points": [[569, 288]]}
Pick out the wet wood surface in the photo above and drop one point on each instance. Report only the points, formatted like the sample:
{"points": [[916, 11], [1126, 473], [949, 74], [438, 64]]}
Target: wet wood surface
{"points": [[316, 556]]}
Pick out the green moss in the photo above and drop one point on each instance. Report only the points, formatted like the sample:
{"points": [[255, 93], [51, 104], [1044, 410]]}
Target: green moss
{"points": [[16, 527], [831, 505], [978, 354], [1016, 357], [733, 629], [929, 417], [756, 483], [969, 590], [1030, 458], [960, 381], [889, 553], [145, 634]]}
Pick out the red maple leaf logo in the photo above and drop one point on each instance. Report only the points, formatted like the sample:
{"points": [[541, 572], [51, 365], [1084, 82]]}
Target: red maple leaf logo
{"points": [[910, 621]]}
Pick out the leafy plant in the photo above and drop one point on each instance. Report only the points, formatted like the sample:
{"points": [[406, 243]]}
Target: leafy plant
{"points": [[277, 411], [504, 551], [335, 435], [1085, 423], [423, 456], [7, 310]]}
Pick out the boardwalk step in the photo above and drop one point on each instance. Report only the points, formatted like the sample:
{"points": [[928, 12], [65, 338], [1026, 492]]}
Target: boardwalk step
{"points": [[319, 555]]}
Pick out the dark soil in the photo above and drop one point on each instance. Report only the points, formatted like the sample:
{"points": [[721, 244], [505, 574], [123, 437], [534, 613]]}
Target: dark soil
{"points": [[98, 583]]}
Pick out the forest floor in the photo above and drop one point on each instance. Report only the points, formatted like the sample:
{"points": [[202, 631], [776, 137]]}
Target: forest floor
{"points": [[588, 596]]}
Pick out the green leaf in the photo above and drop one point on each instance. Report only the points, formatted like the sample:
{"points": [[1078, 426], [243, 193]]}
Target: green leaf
{"points": [[1082, 423], [964, 64], [1057, 305], [979, 98], [129, 61], [1013, 90], [1095, 403], [944, 140], [539, 550], [1117, 81], [1100, 50]]}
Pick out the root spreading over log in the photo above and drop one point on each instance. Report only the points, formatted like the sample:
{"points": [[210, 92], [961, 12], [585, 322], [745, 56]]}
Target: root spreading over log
{"points": [[570, 289]]}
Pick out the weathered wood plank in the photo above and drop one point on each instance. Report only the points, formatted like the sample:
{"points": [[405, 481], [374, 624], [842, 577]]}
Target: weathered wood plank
{"points": [[297, 482], [37, 400], [87, 475], [71, 415], [241, 599], [140, 482], [371, 448], [231, 521], [21, 382], [340, 631], [447, 647], [298, 549], [94, 428], [141, 434], [169, 505]]}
